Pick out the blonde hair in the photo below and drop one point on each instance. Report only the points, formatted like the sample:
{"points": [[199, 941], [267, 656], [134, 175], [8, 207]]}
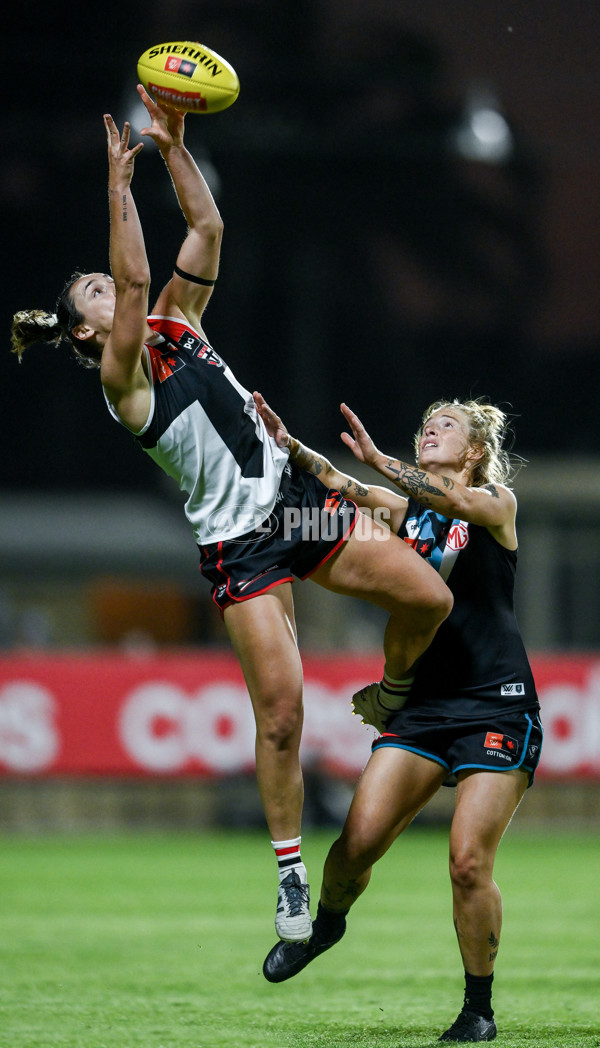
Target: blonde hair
{"points": [[488, 430], [37, 325]]}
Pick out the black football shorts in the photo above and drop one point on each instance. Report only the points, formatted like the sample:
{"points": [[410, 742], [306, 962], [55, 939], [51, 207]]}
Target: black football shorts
{"points": [[308, 524], [500, 742]]}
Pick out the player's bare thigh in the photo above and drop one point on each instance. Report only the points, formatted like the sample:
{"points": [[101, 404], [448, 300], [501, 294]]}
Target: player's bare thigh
{"points": [[485, 804], [393, 788], [379, 566], [263, 634]]}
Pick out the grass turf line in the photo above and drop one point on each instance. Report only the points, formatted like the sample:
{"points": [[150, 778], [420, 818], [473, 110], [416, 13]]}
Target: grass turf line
{"points": [[158, 940]]}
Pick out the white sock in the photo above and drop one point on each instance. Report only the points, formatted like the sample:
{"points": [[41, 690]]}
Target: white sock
{"points": [[289, 858]]}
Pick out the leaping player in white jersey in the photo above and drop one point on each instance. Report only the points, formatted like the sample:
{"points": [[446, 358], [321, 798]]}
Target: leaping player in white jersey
{"points": [[165, 383]]}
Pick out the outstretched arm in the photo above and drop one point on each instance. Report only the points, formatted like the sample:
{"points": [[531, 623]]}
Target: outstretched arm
{"points": [[492, 506], [385, 504], [186, 295], [121, 368]]}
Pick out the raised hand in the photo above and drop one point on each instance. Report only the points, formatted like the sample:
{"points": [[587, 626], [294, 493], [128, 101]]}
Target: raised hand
{"points": [[275, 427], [120, 156], [167, 123], [360, 442]]}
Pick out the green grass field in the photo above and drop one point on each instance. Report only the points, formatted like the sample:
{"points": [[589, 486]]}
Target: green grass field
{"points": [[158, 941]]}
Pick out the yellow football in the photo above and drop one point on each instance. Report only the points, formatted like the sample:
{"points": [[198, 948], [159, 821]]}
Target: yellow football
{"points": [[188, 76]]}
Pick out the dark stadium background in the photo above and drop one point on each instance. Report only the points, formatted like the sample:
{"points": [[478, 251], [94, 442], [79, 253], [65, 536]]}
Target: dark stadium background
{"points": [[366, 258]]}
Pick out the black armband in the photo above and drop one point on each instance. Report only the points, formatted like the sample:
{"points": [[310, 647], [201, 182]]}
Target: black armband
{"points": [[194, 280]]}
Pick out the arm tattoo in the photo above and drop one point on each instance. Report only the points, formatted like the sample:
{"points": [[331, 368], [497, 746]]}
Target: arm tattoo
{"points": [[307, 459], [124, 208], [311, 463], [316, 464], [493, 490], [352, 487], [414, 481]]}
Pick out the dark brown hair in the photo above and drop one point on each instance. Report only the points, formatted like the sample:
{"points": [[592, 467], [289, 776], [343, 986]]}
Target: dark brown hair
{"points": [[37, 325]]}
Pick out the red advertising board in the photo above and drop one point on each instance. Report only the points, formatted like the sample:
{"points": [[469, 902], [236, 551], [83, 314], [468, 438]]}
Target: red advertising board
{"points": [[189, 714]]}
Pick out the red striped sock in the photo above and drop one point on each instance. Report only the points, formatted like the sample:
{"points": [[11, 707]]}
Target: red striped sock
{"points": [[391, 687], [289, 858]]}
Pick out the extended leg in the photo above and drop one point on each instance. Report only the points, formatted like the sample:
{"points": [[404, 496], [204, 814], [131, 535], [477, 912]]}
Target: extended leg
{"points": [[485, 804], [394, 787], [263, 634]]}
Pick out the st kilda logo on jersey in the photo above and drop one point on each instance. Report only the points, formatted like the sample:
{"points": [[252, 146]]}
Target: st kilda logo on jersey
{"points": [[200, 349], [208, 354]]}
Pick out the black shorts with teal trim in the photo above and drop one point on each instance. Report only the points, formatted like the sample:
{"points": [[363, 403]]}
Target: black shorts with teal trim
{"points": [[500, 742], [308, 524]]}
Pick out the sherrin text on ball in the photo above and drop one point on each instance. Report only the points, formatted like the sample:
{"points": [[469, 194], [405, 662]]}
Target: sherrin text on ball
{"points": [[189, 76]]}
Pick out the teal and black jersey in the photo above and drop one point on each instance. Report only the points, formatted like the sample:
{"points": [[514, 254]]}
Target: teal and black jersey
{"points": [[477, 661]]}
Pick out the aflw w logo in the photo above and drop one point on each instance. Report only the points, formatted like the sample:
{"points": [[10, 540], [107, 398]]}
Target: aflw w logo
{"points": [[512, 689]]}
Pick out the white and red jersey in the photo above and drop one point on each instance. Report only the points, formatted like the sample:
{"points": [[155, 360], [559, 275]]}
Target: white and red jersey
{"points": [[204, 431]]}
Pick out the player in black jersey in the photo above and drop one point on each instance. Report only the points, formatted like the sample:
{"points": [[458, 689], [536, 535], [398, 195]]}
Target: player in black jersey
{"points": [[470, 717], [246, 504]]}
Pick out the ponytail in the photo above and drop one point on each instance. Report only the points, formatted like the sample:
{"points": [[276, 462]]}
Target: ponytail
{"points": [[36, 325]]}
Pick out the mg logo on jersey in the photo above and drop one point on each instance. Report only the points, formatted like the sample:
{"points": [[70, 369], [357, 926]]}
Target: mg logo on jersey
{"points": [[458, 536]]}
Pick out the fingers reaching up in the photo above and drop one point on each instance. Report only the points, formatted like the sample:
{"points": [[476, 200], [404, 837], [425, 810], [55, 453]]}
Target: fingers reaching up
{"points": [[275, 427], [167, 123], [120, 156], [360, 442]]}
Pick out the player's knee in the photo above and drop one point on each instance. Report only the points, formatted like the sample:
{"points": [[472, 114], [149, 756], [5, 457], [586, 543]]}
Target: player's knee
{"points": [[468, 870], [279, 725], [432, 604], [353, 855], [441, 601]]}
